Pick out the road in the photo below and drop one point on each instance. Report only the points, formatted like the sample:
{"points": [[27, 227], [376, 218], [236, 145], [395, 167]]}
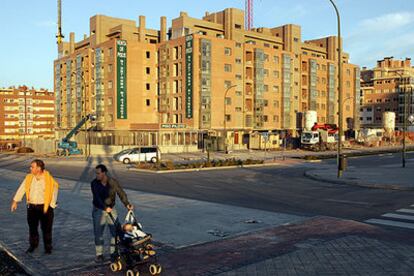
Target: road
{"points": [[277, 189]]}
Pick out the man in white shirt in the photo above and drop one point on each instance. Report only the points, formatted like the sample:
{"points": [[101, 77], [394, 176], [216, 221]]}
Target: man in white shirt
{"points": [[41, 191]]}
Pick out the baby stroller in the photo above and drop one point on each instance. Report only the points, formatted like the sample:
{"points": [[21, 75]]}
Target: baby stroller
{"points": [[134, 248]]}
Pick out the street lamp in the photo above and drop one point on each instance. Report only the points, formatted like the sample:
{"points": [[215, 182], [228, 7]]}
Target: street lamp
{"points": [[224, 116], [341, 131], [404, 116], [84, 109]]}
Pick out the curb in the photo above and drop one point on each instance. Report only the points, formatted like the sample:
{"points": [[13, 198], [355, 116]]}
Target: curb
{"points": [[309, 175], [17, 260]]}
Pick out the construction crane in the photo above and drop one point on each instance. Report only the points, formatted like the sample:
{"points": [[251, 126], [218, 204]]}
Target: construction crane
{"points": [[68, 147], [248, 14], [59, 35]]}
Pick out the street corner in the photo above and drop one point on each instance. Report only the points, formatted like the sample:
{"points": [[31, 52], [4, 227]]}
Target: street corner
{"points": [[231, 253], [366, 178]]}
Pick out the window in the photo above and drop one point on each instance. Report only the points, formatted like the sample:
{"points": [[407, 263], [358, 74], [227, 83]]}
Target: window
{"points": [[275, 88], [276, 118], [276, 59], [227, 84], [227, 51], [296, 39], [148, 102], [266, 88], [227, 67], [238, 45], [276, 74], [238, 77], [148, 70], [148, 86], [237, 26], [227, 101], [110, 84], [265, 103], [148, 54], [110, 68], [238, 93], [238, 61], [238, 109], [111, 52], [228, 117]]}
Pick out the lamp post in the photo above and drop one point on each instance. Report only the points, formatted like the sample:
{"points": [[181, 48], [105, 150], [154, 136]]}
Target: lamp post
{"points": [[404, 117], [83, 110], [224, 116], [340, 111]]}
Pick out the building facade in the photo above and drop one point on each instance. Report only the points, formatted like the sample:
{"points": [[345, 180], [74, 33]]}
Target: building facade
{"points": [[26, 114], [202, 77], [385, 88]]}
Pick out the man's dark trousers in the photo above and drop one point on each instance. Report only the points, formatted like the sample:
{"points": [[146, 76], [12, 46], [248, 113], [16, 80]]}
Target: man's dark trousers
{"points": [[35, 215]]}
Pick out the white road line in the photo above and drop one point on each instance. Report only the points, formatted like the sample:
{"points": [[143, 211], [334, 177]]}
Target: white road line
{"points": [[347, 201], [205, 187], [391, 223], [389, 215], [411, 211]]}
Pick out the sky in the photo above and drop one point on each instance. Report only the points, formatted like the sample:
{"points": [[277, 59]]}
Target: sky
{"points": [[372, 29]]}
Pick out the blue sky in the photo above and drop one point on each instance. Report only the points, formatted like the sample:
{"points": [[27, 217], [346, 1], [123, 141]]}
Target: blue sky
{"points": [[372, 29]]}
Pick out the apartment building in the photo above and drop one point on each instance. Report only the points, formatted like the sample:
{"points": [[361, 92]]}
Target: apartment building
{"points": [[385, 88], [202, 76], [26, 114]]}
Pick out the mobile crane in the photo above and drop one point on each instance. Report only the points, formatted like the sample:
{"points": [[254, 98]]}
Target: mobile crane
{"points": [[67, 147]]}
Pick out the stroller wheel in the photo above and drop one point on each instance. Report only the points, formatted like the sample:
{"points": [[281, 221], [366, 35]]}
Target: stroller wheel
{"points": [[150, 252], [130, 273], [159, 269], [153, 269], [114, 267], [119, 265]]}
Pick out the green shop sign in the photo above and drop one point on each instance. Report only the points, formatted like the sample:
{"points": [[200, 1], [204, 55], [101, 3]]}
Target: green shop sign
{"points": [[189, 77], [121, 71]]}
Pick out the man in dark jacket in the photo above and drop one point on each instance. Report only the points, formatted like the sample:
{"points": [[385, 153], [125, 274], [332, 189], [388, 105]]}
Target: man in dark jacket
{"points": [[104, 190]]}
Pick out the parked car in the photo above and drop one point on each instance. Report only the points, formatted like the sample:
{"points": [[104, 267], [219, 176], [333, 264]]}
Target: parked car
{"points": [[141, 154]]}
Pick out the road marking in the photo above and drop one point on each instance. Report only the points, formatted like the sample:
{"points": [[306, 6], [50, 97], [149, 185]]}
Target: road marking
{"points": [[389, 215], [205, 187], [348, 201], [391, 223], [406, 211]]}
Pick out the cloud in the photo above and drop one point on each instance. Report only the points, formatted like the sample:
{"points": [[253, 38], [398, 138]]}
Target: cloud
{"points": [[387, 22], [385, 35]]}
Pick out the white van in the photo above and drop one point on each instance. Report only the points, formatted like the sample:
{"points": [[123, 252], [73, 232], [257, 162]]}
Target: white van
{"points": [[141, 154]]}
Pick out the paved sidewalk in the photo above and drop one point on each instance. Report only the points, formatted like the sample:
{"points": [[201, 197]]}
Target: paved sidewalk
{"points": [[174, 223], [384, 177]]}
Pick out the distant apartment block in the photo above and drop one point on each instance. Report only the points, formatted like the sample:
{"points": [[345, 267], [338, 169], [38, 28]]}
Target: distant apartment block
{"points": [[25, 114], [175, 85], [384, 89]]}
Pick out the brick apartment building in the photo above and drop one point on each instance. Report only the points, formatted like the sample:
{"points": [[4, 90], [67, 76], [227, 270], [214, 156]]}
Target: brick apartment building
{"points": [[210, 75], [384, 88], [26, 114]]}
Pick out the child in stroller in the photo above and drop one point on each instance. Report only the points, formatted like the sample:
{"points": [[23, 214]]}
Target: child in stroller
{"points": [[134, 248]]}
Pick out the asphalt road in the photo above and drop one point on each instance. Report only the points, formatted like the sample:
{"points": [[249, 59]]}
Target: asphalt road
{"points": [[278, 189]]}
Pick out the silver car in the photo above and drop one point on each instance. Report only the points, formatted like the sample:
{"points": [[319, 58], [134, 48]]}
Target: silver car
{"points": [[141, 154]]}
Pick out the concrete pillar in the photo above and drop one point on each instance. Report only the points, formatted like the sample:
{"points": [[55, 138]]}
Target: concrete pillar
{"points": [[71, 42], [141, 28], [163, 29]]}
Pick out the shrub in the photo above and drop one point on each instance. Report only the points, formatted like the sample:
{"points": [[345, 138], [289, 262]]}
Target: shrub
{"points": [[25, 150]]}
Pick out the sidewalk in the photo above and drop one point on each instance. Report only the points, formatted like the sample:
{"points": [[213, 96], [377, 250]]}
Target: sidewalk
{"points": [[384, 177], [174, 223]]}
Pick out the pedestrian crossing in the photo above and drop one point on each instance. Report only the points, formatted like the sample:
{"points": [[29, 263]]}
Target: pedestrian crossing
{"points": [[402, 218]]}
